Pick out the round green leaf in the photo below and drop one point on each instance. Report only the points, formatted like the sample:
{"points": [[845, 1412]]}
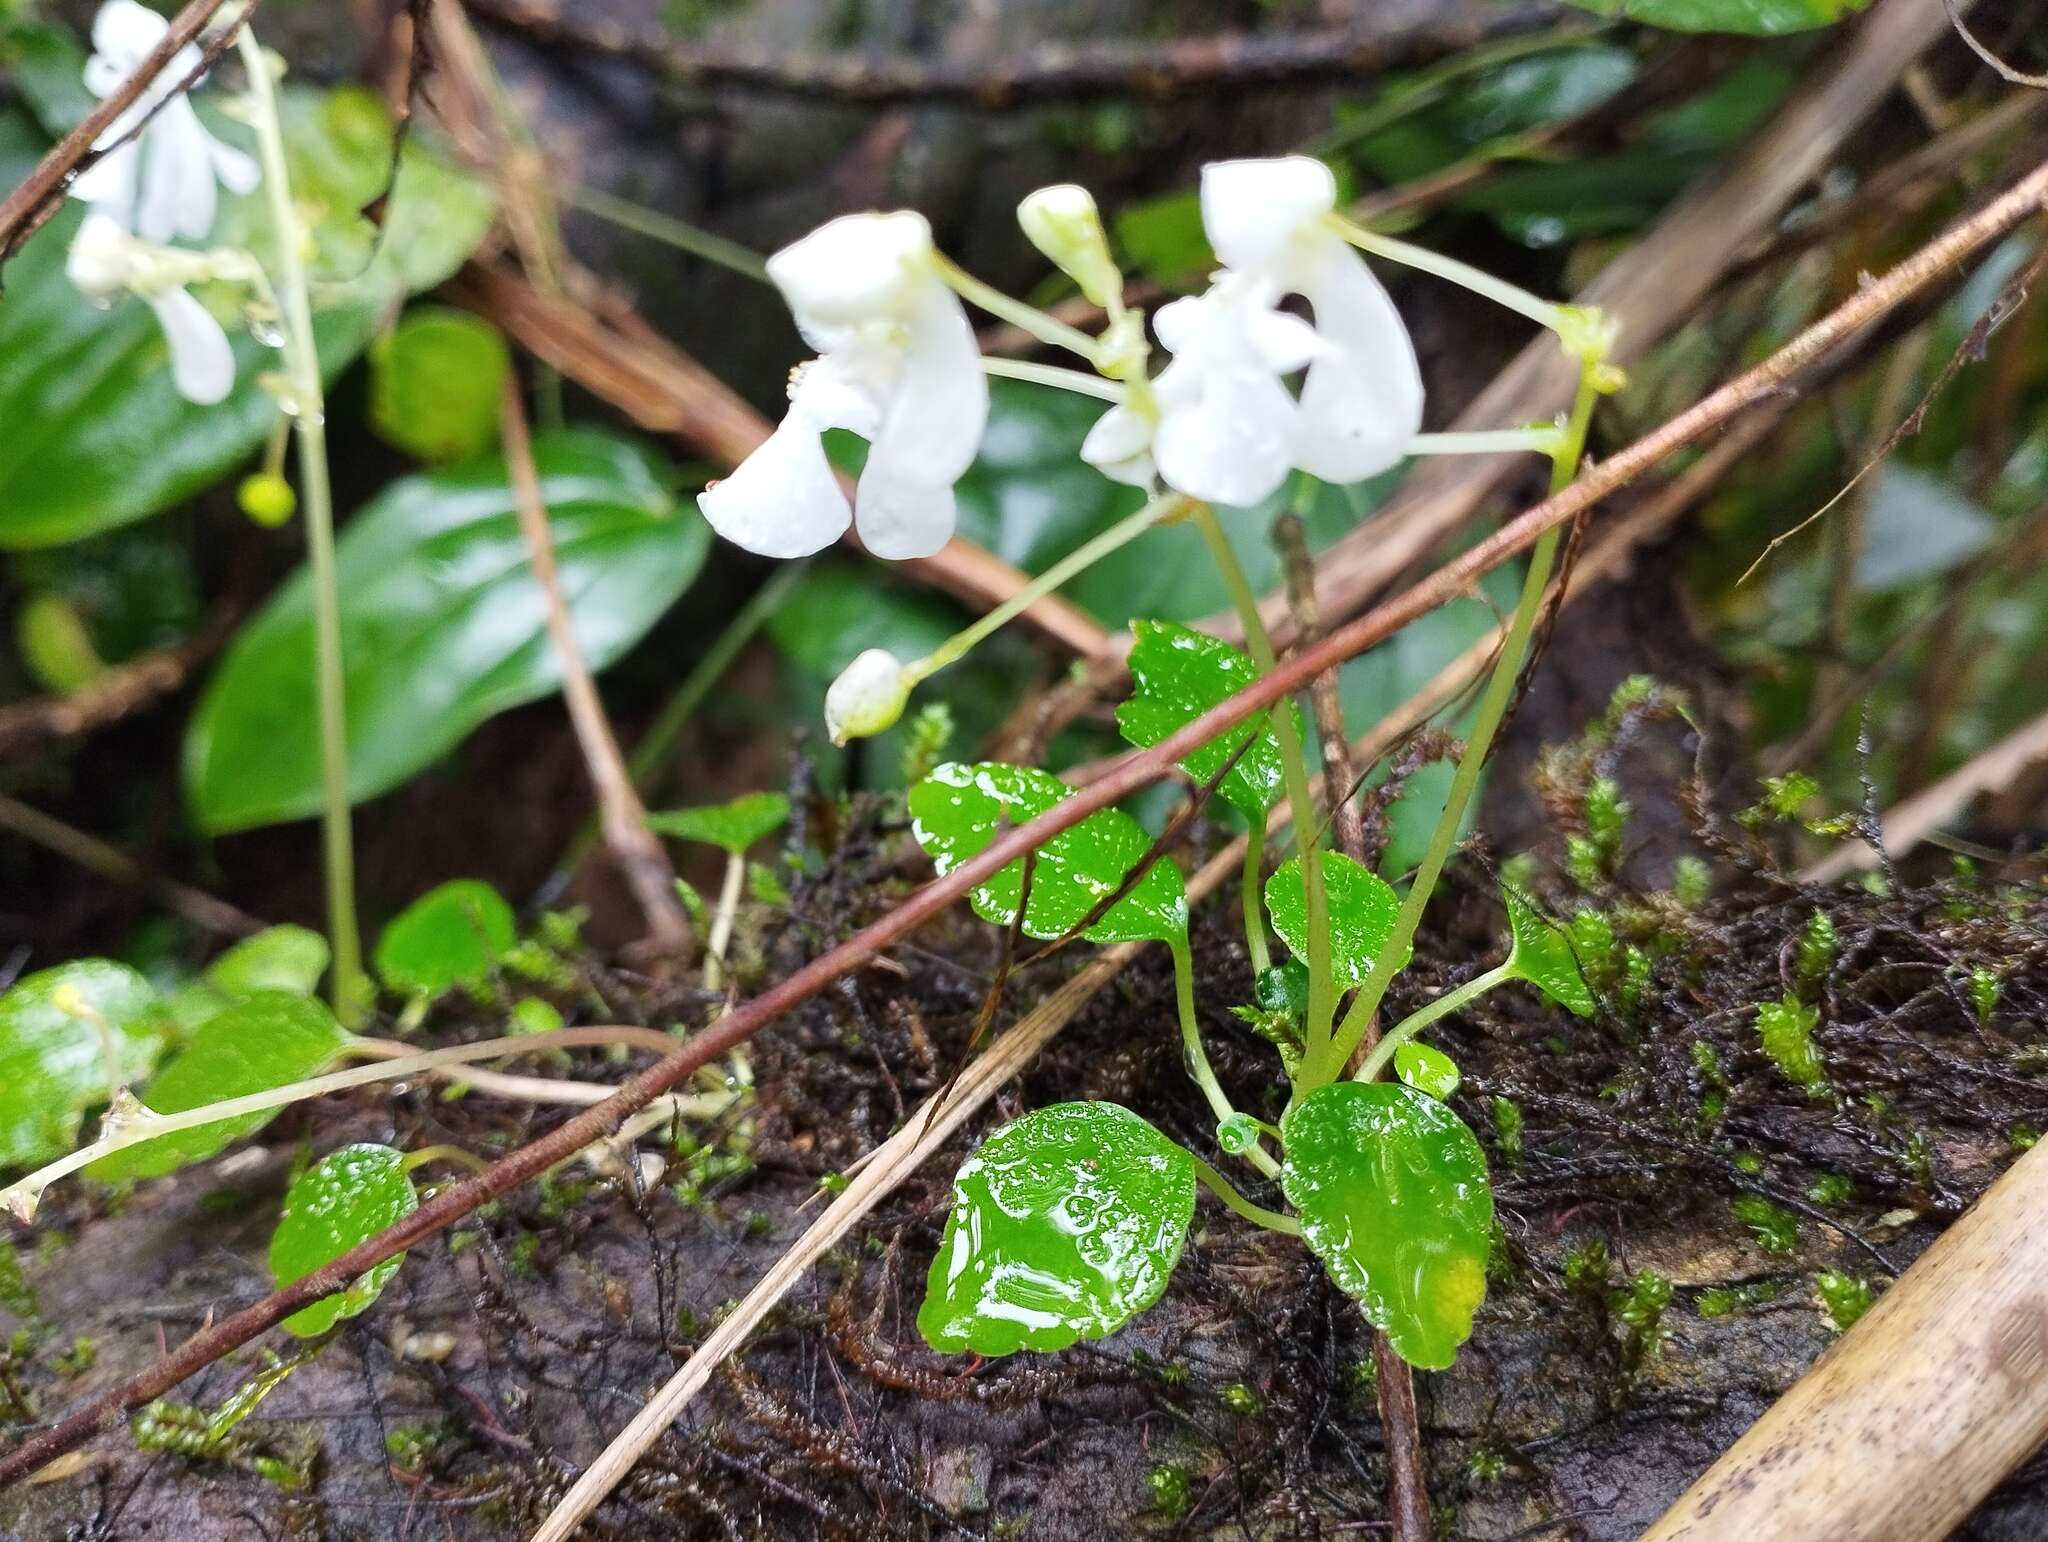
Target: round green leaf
{"points": [[1363, 909], [959, 809], [1426, 1069], [733, 826], [1177, 674], [443, 625], [1065, 1225], [436, 383], [1393, 1197], [1542, 955], [269, 1039], [450, 936], [278, 958], [56, 1027], [342, 1200]]}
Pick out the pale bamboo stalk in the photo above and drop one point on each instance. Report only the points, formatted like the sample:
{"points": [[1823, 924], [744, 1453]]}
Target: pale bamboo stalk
{"points": [[1903, 1427]]}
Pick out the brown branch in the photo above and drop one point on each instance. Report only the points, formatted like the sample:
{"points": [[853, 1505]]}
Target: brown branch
{"points": [[95, 855], [2005, 71], [29, 207], [612, 353], [122, 690], [2028, 196], [1054, 72], [635, 848]]}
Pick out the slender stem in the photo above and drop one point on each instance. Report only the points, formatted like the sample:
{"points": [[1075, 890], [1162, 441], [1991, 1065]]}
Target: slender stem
{"points": [[307, 408], [1026, 318], [1545, 313], [20, 1197], [413, 1161], [669, 231], [1322, 989], [721, 921], [1124, 531], [1056, 376], [1212, 1180], [1493, 706], [1415, 1022], [1498, 441], [1196, 1056], [1252, 895]]}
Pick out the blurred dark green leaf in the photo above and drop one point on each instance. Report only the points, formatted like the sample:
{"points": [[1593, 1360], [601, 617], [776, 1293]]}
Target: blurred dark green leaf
{"points": [[443, 625], [436, 383]]}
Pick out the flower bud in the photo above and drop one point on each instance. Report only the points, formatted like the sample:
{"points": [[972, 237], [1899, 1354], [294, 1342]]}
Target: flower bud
{"points": [[267, 499], [1062, 223], [867, 697], [101, 261]]}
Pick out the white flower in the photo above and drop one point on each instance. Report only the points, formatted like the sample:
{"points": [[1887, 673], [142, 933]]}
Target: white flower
{"points": [[106, 262], [1228, 430], [162, 183], [868, 696], [897, 365]]}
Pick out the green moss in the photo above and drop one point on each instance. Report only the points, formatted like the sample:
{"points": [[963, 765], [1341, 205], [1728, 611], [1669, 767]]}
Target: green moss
{"points": [[1507, 1130], [1173, 1490], [1786, 1028], [1843, 1298], [1815, 955], [1774, 1228]]}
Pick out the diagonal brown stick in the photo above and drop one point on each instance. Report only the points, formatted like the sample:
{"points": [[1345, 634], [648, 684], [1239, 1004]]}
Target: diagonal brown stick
{"points": [[2027, 197], [28, 208]]}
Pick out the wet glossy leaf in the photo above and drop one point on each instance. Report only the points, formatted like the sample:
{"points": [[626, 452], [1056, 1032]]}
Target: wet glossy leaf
{"points": [[733, 826], [1392, 1192], [1363, 908], [346, 1198], [1757, 18], [959, 809], [1065, 1225], [1177, 674], [64, 1032], [436, 383], [1426, 1069], [451, 936], [1542, 955], [269, 1039], [443, 625], [279, 958], [97, 435]]}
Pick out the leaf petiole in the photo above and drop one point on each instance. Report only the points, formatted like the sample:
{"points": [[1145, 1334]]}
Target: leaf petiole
{"points": [[1210, 1179], [1415, 1022]]}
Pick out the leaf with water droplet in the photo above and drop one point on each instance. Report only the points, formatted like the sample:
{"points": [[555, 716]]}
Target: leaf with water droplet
{"points": [[959, 809], [346, 1198], [1065, 1225], [450, 936], [1426, 1069], [268, 1039], [1363, 909], [65, 1034], [1392, 1192], [1542, 955], [1177, 674], [732, 826]]}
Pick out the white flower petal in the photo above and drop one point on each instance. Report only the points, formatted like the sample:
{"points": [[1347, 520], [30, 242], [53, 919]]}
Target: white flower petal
{"points": [[101, 258], [236, 170], [178, 194], [123, 32], [857, 269], [110, 183], [1227, 428], [1362, 400], [1283, 343], [202, 362], [1252, 209], [782, 500], [1120, 447], [900, 519]]}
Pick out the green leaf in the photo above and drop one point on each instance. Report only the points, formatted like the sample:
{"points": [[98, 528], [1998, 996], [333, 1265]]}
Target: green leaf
{"points": [[1426, 1069], [1756, 18], [279, 958], [1542, 955], [959, 809], [57, 1028], [443, 625], [1363, 909], [98, 436], [450, 936], [732, 826], [1393, 1197], [346, 1198], [1177, 674], [269, 1039], [1065, 1225], [436, 383]]}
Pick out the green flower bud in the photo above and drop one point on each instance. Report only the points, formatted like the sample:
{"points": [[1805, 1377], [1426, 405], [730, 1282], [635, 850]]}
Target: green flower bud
{"points": [[267, 499], [867, 697], [1062, 223]]}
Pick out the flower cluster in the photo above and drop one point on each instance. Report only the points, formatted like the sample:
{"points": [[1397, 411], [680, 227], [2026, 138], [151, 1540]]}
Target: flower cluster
{"points": [[157, 178], [1220, 422]]}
